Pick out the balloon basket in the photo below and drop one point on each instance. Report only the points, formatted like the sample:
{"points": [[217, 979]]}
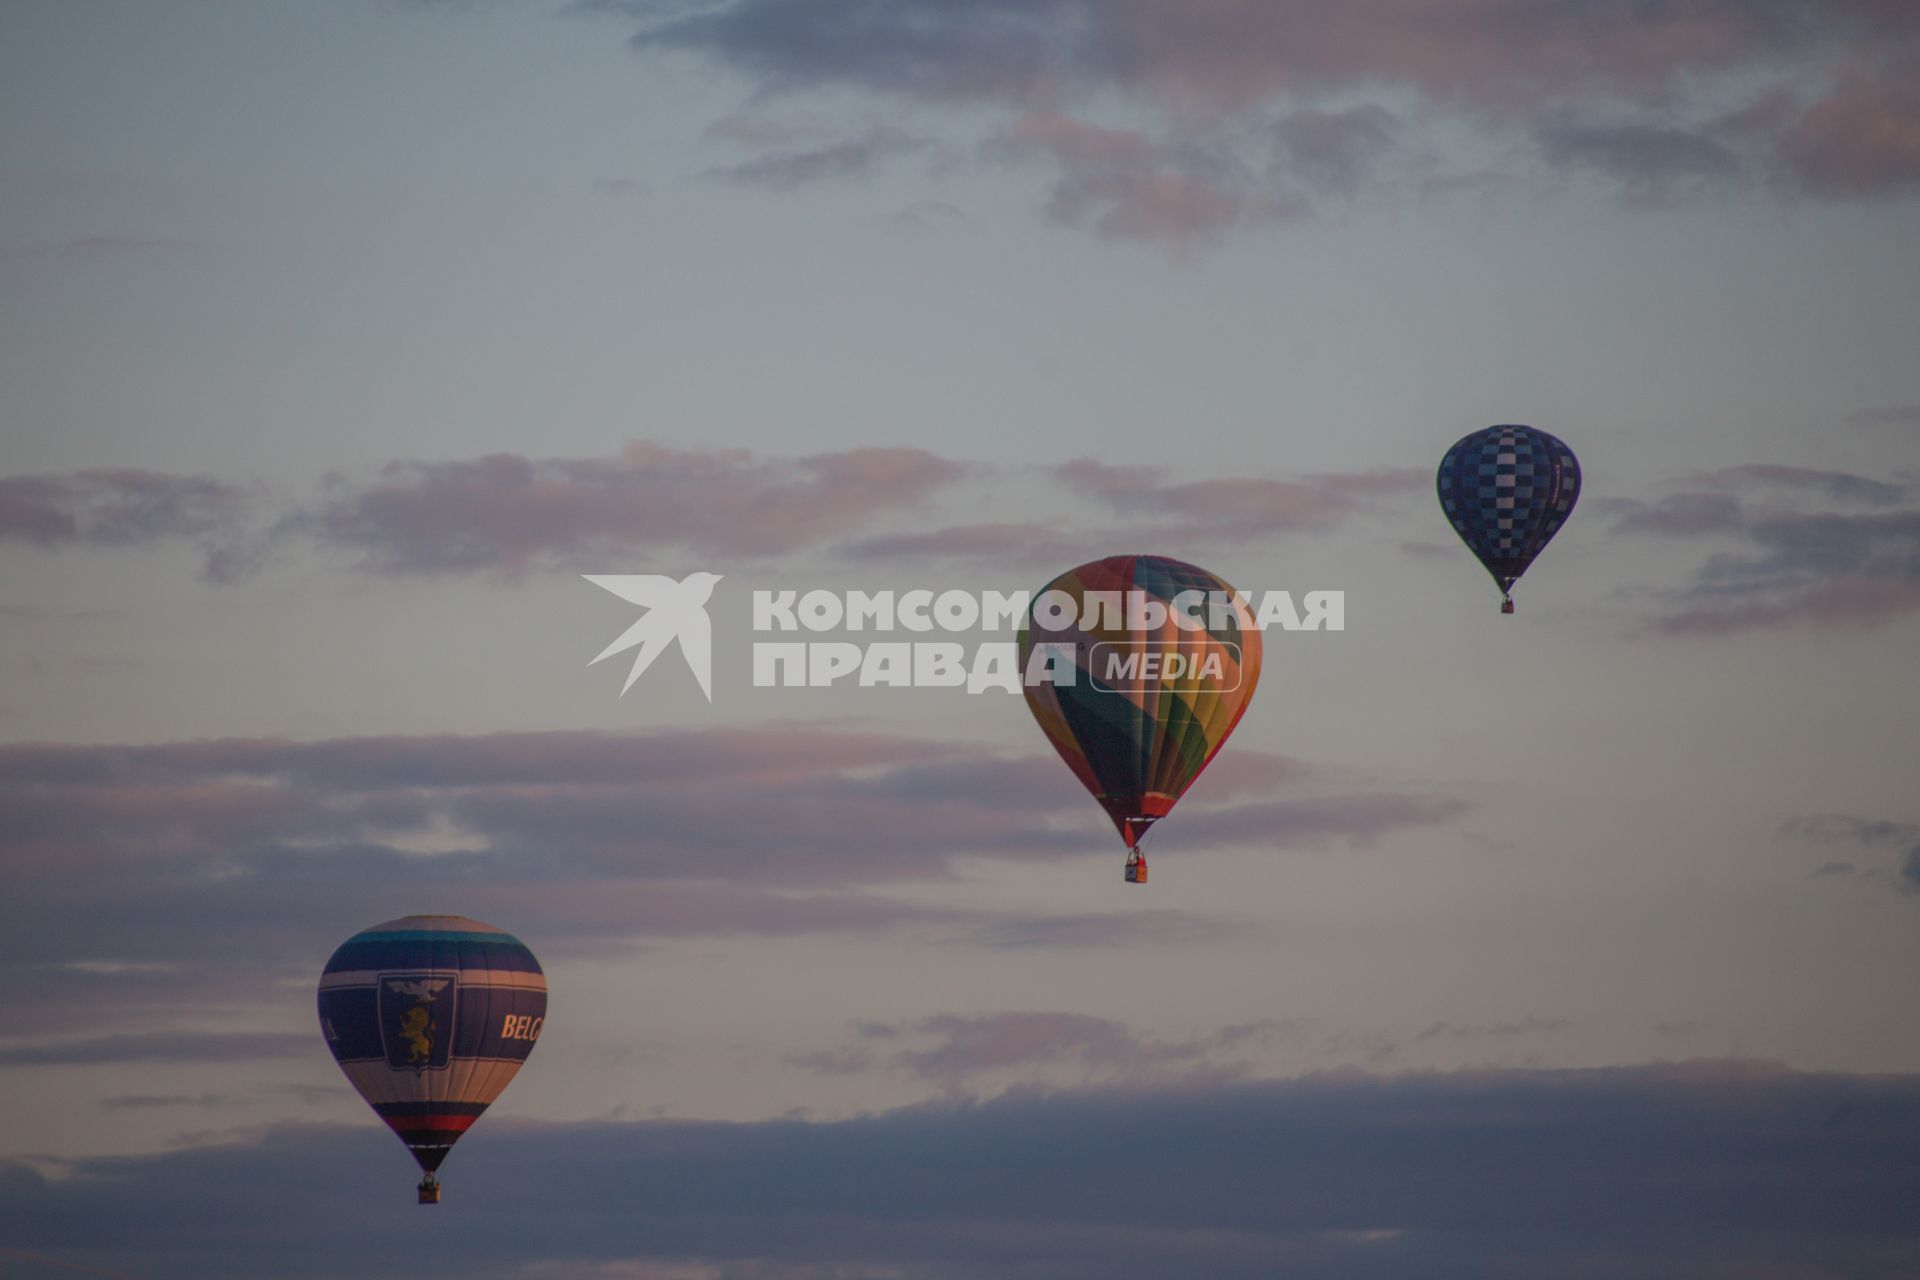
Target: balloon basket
{"points": [[429, 1190], [1136, 870], [1506, 606]]}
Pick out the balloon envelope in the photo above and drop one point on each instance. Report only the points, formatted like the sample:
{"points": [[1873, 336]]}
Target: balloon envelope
{"points": [[430, 1017], [1148, 707], [1506, 491]]}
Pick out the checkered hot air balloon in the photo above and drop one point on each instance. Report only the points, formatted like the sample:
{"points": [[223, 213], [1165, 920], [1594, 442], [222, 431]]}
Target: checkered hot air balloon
{"points": [[1138, 698], [430, 1017], [1507, 490]]}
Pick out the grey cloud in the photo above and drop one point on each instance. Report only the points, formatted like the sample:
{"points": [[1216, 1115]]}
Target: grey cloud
{"points": [[124, 506], [969, 1044], [114, 506], [1797, 567], [850, 158], [1715, 501], [845, 1061], [1336, 150], [1871, 833], [1353, 819], [505, 514], [162, 1101], [784, 131], [154, 865], [621, 188], [1216, 511], [1833, 486], [1826, 543], [1156, 927], [1529, 1025], [997, 48], [1508, 54], [1679, 1027], [1679, 515], [1000, 543], [172, 1046], [1828, 828], [1240, 507], [1127, 185], [1898, 415], [1661, 1173], [1653, 164], [1210, 72], [952, 1049], [926, 215]]}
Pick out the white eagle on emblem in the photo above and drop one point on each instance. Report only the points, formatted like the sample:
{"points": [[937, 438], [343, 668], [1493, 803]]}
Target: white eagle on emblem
{"points": [[423, 990]]}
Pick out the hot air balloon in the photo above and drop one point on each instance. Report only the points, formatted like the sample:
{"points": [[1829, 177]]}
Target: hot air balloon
{"points": [[1507, 490], [1142, 703], [430, 1017]]}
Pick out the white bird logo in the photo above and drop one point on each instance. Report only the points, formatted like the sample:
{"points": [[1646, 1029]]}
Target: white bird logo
{"points": [[423, 990], [674, 611]]}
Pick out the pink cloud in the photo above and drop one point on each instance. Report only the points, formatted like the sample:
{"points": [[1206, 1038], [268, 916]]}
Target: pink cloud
{"points": [[1129, 186], [985, 1042], [1019, 543], [506, 513], [1358, 820], [180, 854], [1079, 142], [1863, 137], [628, 910], [954, 1048], [1241, 506], [1225, 99], [1375, 482], [1249, 771], [1228, 54], [1222, 509], [1258, 504], [1108, 480], [1175, 207], [1848, 604]]}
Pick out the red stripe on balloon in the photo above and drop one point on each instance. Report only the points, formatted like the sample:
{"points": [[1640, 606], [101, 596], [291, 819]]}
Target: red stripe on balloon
{"points": [[404, 1125]]}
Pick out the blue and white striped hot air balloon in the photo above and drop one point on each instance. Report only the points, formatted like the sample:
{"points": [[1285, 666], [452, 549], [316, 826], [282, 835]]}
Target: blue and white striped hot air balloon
{"points": [[430, 1017]]}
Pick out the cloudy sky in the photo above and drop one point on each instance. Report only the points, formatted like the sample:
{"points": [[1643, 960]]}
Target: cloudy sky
{"points": [[336, 342]]}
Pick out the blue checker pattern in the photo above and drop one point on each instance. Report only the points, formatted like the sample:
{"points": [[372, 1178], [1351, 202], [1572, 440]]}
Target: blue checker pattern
{"points": [[1506, 491]]}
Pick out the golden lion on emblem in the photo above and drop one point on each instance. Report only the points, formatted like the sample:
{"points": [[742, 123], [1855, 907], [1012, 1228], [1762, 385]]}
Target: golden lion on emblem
{"points": [[417, 1029]]}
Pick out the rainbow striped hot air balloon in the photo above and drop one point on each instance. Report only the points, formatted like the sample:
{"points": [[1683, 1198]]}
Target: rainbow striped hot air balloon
{"points": [[1150, 700], [430, 1017]]}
